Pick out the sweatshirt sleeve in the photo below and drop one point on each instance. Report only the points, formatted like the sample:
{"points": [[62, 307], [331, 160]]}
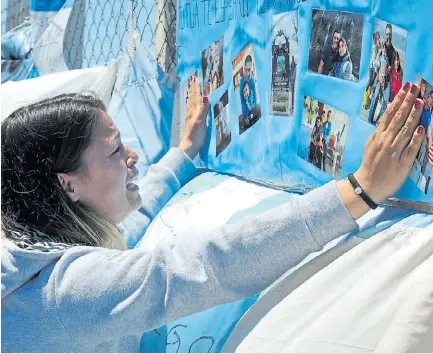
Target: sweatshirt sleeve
{"points": [[164, 179], [160, 183], [102, 293]]}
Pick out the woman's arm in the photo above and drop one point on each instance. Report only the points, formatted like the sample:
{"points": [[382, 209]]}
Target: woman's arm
{"points": [[347, 74], [103, 294], [173, 171], [164, 179], [133, 291]]}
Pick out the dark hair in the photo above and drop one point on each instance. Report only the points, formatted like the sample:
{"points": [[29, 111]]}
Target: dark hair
{"points": [[337, 54], [337, 30], [248, 59], [388, 25], [396, 56], [37, 142]]}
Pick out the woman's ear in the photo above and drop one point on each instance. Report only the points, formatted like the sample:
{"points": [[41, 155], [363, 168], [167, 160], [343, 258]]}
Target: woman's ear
{"points": [[67, 184]]}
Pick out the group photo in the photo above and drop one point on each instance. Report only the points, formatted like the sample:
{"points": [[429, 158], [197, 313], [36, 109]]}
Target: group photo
{"points": [[385, 71], [422, 171], [323, 136]]}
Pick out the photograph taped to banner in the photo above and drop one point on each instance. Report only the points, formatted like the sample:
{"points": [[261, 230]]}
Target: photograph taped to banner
{"points": [[246, 89], [212, 64], [222, 123], [335, 44], [326, 137], [385, 71], [285, 58], [422, 171]]}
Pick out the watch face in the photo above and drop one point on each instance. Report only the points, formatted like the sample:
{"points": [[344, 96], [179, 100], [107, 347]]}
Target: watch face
{"points": [[358, 190]]}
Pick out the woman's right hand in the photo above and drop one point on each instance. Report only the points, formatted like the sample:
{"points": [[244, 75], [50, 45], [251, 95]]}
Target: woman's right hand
{"points": [[389, 153], [197, 108]]}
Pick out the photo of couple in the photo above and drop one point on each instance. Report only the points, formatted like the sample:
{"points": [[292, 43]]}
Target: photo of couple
{"points": [[246, 89], [422, 171], [222, 123], [284, 63], [335, 44], [212, 65], [327, 130], [386, 70]]}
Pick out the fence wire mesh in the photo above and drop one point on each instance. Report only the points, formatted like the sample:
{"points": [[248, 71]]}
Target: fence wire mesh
{"points": [[97, 30], [14, 12]]}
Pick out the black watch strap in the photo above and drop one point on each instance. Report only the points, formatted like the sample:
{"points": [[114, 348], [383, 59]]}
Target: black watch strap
{"points": [[358, 190]]}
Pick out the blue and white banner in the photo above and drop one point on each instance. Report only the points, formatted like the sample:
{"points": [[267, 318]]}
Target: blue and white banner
{"points": [[299, 85]]}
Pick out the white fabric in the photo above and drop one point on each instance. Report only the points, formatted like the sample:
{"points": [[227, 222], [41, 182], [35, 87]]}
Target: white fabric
{"points": [[205, 210], [48, 36], [16, 94], [378, 297]]}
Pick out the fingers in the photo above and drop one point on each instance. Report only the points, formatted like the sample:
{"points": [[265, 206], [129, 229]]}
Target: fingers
{"points": [[393, 108], [399, 119], [410, 152], [195, 86], [406, 132]]}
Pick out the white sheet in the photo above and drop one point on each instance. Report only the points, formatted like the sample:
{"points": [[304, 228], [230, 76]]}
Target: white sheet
{"points": [[378, 297], [99, 80]]}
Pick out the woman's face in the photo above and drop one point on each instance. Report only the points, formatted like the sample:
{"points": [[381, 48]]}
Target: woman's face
{"points": [[378, 40], [106, 185], [396, 62], [342, 49]]}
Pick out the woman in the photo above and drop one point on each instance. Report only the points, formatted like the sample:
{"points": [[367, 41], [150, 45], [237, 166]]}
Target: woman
{"points": [[396, 76], [314, 141], [67, 180], [342, 64]]}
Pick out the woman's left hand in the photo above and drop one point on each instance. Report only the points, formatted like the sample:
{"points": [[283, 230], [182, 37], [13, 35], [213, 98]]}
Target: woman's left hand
{"points": [[197, 109], [390, 152]]}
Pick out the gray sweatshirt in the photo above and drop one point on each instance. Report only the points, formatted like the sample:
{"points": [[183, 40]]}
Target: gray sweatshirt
{"points": [[62, 298]]}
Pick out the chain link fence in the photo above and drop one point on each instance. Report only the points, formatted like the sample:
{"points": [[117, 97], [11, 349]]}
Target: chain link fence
{"points": [[97, 30], [14, 12]]}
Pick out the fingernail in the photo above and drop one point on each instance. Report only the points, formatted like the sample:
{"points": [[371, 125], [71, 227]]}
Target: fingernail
{"points": [[420, 130], [406, 86], [205, 99], [193, 79], [414, 89], [419, 104]]}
